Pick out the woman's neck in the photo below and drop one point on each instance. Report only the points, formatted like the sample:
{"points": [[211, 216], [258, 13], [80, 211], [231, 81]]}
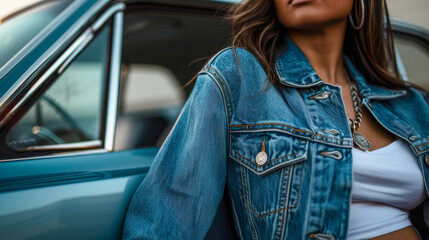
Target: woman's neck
{"points": [[323, 48]]}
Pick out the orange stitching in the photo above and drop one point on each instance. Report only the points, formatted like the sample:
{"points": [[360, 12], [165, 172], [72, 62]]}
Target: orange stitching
{"points": [[236, 151], [279, 158], [422, 144], [300, 186], [299, 130], [283, 209], [263, 215], [225, 87], [263, 124], [419, 151]]}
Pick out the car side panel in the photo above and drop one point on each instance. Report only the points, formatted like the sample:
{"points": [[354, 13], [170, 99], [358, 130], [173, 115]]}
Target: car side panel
{"points": [[76, 197]]}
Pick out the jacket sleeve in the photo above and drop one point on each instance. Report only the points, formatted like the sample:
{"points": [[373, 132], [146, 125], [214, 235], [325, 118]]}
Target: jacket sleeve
{"points": [[179, 197]]}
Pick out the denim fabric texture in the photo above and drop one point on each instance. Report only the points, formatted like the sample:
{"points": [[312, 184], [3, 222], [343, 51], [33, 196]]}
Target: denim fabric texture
{"points": [[302, 190]]}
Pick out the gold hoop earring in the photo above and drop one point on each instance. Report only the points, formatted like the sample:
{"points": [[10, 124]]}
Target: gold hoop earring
{"points": [[361, 20]]}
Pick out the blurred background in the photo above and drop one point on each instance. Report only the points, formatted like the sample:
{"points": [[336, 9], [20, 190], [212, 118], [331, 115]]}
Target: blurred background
{"points": [[414, 11]]}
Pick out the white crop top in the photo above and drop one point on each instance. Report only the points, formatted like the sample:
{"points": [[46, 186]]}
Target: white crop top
{"points": [[387, 182]]}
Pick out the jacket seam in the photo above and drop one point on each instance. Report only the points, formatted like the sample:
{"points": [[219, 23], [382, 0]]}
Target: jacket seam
{"points": [[264, 124], [278, 210], [265, 214], [222, 84], [245, 185], [250, 161], [284, 199], [225, 106]]}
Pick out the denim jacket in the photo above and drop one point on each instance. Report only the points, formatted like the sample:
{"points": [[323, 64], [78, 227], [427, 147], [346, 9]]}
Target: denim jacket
{"points": [[300, 186]]}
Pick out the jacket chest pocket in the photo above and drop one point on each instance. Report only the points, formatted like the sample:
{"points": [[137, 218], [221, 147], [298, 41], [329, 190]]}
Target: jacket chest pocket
{"points": [[269, 169]]}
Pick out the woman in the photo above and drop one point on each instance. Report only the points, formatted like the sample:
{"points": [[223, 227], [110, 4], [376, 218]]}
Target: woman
{"points": [[335, 150]]}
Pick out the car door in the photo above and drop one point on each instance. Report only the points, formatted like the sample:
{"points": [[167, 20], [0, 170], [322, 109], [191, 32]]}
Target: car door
{"points": [[58, 175], [78, 140], [412, 43]]}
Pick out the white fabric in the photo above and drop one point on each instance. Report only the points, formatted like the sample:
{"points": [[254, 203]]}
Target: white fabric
{"points": [[387, 182]]}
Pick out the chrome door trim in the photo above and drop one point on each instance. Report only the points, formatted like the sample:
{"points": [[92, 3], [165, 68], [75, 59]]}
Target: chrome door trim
{"points": [[113, 92], [65, 146], [56, 155], [73, 50], [113, 88], [94, 27], [107, 14], [38, 38], [65, 58], [81, 43], [21, 82]]}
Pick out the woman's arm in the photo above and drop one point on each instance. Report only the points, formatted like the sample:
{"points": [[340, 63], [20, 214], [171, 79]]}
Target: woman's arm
{"points": [[179, 197]]}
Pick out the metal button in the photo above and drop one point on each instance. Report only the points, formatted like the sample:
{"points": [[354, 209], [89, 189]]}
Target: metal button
{"points": [[412, 138], [261, 158], [321, 236], [333, 154], [333, 131], [321, 96], [427, 160]]}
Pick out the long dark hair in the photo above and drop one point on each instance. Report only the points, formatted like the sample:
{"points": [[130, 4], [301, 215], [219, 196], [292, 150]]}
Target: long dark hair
{"points": [[255, 27]]}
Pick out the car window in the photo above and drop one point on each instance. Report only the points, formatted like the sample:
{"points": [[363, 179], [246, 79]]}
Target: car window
{"points": [[158, 52], [415, 58], [18, 30], [71, 109]]}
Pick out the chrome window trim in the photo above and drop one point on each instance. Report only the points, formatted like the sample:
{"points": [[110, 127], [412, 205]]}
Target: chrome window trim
{"points": [[38, 38], [20, 83], [55, 155], [65, 146], [107, 14], [73, 50], [113, 88], [115, 69], [81, 43]]}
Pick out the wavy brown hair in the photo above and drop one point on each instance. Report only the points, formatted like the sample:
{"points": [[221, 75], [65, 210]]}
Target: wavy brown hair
{"points": [[255, 27]]}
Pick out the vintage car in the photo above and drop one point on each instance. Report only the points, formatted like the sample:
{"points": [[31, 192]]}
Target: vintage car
{"points": [[88, 92]]}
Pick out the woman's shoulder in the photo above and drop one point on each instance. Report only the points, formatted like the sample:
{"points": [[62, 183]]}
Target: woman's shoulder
{"points": [[235, 66], [233, 59], [417, 94]]}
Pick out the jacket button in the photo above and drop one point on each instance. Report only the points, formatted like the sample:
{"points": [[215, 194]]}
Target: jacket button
{"points": [[261, 158], [427, 160], [412, 138], [321, 96], [321, 236]]}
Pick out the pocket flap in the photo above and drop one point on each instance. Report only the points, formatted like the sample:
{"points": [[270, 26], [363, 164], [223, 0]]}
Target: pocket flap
{"points": [[264, 152]]}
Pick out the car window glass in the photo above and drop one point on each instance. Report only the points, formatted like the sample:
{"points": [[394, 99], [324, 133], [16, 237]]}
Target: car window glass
{"points": [[70, 111], [20, 29], [415, 58], [158, 50]]}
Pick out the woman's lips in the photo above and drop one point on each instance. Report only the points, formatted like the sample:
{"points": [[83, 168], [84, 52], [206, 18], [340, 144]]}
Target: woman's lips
{"points": [[295, 2]]}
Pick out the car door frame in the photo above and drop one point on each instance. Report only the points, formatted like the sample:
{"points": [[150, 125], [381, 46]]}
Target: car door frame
{"points": [[88, 189]]}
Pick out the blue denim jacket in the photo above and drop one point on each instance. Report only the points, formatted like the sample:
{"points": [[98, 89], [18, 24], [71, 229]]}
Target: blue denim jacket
{"points": [[302, 189]]}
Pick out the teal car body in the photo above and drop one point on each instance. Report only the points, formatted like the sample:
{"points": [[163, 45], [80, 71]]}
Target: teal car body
{"points": [[78, 193], [52, 187]]}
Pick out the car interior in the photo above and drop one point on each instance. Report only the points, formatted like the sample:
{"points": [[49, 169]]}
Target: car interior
{"points": [[161, 53]]}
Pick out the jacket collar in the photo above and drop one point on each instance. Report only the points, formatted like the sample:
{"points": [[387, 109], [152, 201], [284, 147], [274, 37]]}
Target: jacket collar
{"points": [[294, 70]]}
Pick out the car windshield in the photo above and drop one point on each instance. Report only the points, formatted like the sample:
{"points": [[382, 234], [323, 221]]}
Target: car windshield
{"points": [[18, 29]]}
